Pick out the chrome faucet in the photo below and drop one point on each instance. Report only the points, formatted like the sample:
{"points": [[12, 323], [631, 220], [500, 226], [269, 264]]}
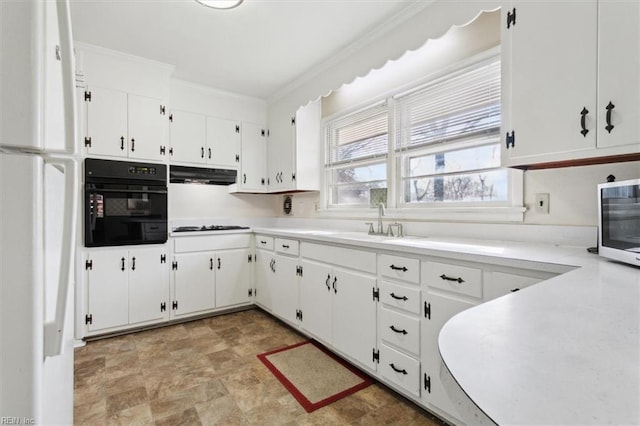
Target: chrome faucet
{"points": [[380, 214]]}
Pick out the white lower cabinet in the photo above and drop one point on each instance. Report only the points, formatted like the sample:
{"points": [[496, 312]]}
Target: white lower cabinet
{"points": [[125, 287], [438, 309], [264, 279], [284, 288], [210, 272], [337, 303]]}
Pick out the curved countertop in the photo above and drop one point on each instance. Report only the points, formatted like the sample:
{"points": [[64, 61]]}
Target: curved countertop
{"points": [[564, 351]]}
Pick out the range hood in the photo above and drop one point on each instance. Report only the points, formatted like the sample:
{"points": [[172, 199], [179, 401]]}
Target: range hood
{"points": [[201, 175]]}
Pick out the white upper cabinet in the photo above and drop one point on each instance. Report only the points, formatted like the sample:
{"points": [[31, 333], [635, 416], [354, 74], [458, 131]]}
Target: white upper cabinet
{"points": [[121, 124], [618, 73], [294, 150], [562, 64], [223, 142], [188, 137], [253, 165]]}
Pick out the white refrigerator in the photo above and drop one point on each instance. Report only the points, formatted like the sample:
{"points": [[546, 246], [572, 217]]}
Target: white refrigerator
{"points": [[38, 212]]}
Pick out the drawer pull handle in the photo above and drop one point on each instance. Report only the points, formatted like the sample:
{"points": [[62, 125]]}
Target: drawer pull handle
{"points": [[446, 278], [399, 297], [513, 290], [397, 370], [263, 242], [398, 268], [609, 127], [285, 246], [395, 330]]}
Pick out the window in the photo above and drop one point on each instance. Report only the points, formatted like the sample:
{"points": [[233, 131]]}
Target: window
{"points": [[356, 156], [436, 146], [448, 140]]}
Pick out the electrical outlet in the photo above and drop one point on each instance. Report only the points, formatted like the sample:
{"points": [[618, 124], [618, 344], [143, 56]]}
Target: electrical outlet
{"points": [[542, 203]]}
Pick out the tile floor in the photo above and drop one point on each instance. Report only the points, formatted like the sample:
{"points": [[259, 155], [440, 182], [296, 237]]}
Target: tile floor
{"points": [[206, 372]]}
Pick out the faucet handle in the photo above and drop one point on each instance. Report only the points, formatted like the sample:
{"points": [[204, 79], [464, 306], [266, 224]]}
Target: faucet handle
{"points": [[371, 230], [399, 230]]}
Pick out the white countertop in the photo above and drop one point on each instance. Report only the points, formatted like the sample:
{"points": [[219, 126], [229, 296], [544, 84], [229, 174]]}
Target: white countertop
{"points": [[564, 351]]}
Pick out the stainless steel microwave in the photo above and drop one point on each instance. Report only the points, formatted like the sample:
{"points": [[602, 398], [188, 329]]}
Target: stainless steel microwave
{"points": [[619, 221]]}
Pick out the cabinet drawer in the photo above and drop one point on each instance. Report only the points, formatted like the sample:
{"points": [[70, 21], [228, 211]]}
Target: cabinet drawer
{"points": [[264, 242], [287, 246], [360, 260], [400, 330], [399, 268], [401, 297], [455, 278], [208, 243], [498, 284], [400, 369]]}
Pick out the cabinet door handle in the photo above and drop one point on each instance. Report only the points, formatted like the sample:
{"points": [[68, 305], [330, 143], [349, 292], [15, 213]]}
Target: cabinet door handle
{"points": [[133, 144], [397, 370], [211, 263], [335, 287], [327, 282], [398, 297], [121, 143], [219, 263], [583, 121], [446, 278], [209, 153], [202, 152], [398, 268], [122, 264], [133, 263], [395, 330], [244, 178], [609, 127]]}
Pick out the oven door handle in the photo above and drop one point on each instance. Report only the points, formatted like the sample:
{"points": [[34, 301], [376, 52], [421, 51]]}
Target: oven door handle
{"points": [[129, 191]]}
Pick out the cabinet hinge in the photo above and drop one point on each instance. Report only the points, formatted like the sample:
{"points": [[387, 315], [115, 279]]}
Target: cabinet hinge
{"points": [[255, 292], [174, 305], [88, 265], [511, 139], [250, 292], [87, 96], [427, 383], [263, 132], [163, 258], [299, 271], [163, 150], [293, 177], [237, 129], [511, 18], [262, 181], [268, 132], [299, 314], [376, 294], [162, 110], [87, 142], [163, 306], [293, 121], [174, 265], [171, 118], [237, 158], [88, 319], [250, 258], [170, 151], [427, 310], [376, 355]]}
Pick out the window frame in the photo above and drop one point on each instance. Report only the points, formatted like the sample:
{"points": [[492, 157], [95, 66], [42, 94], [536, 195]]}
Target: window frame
{"points": [[509, 210]]}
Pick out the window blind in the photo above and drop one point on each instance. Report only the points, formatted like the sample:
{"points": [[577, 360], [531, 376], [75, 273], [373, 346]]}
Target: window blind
{"points": [[462, 105]]}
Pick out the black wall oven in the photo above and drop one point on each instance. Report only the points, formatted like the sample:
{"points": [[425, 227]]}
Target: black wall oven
{"points": [[125, 203]]}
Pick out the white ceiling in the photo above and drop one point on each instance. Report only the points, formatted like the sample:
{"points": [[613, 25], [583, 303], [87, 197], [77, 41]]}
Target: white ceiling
{"points": [[255, 49]]}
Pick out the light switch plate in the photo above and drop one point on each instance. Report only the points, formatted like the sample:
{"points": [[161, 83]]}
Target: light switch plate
{"points": [[542, 203]]}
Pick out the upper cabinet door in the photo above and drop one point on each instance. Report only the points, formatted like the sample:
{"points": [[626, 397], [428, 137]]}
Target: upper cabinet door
{"points": [[106, 122], [618, 73], [253, 164], [145, 127], [223, 142], [549, 74], [188, 137]]}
